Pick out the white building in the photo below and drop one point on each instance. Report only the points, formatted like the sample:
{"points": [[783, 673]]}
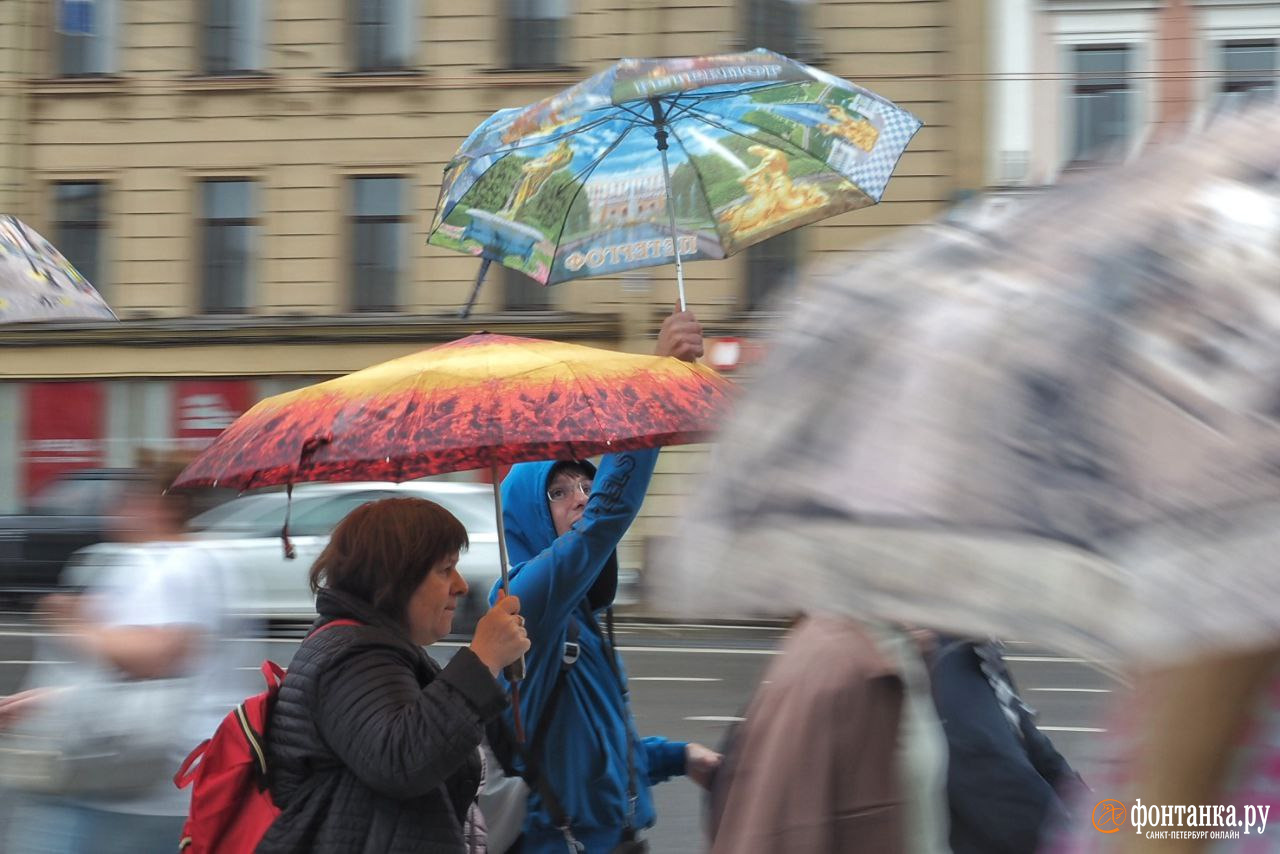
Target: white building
{"points": [[1078, 81]]}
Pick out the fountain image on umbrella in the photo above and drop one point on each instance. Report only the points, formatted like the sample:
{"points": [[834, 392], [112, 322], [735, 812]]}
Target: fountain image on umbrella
{"points": [[749, 145], [38, 283]]}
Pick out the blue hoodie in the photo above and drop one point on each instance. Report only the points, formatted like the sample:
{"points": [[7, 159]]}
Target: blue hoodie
{"points": [[585, 755]]}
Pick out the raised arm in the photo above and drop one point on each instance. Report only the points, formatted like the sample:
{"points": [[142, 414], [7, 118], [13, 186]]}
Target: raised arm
{"points": [[552, 584]]}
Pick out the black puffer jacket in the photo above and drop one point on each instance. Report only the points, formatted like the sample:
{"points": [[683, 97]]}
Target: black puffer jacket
{"points": [[372, 746]]}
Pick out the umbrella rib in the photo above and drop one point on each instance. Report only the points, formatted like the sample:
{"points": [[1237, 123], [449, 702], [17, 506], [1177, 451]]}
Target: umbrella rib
{"points": [[586, 173], [579, 383], [523, 143], [715, 223], [789, 145]]}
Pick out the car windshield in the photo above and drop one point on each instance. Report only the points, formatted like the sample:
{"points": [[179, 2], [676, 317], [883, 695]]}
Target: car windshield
{"points": [[74, 497], [247, 513], [317, 513]]}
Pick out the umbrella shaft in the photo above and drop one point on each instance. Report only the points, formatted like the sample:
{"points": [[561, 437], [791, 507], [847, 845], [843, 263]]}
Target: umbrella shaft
{"points": [[671, 217], [502, 532]]}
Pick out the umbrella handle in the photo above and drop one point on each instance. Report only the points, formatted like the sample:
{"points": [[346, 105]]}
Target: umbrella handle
{"points": [[515, 670]]}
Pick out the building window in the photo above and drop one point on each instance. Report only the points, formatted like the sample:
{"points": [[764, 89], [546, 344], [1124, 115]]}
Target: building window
{"points": [[229, 232], [521, 293], [232, 34], [78, 226], [1100, 99], [383, 34], [1249, 72], [536, 32], [770, 264], [86, 35], [779, 25], [379, 246]]}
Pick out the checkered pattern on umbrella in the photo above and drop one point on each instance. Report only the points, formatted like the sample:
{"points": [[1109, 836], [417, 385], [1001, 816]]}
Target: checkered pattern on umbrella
{"points": [[872, 174]]}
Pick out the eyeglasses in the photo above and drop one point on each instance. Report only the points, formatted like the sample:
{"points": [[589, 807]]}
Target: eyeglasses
{"points": [[559, 493]]}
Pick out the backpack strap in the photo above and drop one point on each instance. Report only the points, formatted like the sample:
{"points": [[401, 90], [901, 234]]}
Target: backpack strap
{"points": [[533, 751], [333, 624]]}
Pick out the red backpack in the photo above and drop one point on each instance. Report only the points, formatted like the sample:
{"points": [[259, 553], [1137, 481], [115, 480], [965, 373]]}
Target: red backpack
{"points": [[231, 806]]}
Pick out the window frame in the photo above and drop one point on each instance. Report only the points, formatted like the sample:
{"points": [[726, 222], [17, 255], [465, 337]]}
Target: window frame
{"points": [[403, 219], [206, 223], [97, 227], [768, 267], [1078, 85], [102, 47], [517, 25], [402, 37], [756, 29], [253, 27]]}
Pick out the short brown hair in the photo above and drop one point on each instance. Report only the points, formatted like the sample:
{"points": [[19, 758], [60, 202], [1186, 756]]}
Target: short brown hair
{"points": [[382, 550]]}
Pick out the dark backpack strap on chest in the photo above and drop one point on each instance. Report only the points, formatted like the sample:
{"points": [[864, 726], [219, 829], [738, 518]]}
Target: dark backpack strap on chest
{"points": [[532, 752]]}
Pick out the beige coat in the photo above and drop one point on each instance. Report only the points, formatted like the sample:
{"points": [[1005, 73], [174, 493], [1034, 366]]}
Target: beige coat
{"points": [[816, 766]]}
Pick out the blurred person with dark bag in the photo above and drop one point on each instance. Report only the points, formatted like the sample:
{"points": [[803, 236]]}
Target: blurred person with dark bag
{"points": [[373, 746], [1007, 785], [840, 750], [588, 772], [91, 747]]}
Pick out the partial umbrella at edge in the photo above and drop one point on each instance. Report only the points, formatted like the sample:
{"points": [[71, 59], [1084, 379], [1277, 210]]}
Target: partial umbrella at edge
{"points": [[38, 283], [1060, 428]]}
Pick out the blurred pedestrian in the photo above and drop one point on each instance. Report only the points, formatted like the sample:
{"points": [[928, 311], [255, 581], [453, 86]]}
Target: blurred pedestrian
{"points": [[840, 750], [152, 623], [591, 773], [373, 746], [1008, 787]]}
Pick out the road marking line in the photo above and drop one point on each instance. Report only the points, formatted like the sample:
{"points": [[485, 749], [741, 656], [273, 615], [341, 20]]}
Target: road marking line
{"points": [[703, 650], [1070, 729], [16, 661], [673, 679], [656, 626], [1074, 690], [721, 718]]}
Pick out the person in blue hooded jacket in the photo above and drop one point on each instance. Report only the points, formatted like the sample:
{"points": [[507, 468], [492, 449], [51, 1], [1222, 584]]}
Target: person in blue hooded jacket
{"points": [[563, 522]]}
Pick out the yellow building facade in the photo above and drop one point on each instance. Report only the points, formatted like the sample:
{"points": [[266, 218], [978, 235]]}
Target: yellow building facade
{"points": [[250, 184]]}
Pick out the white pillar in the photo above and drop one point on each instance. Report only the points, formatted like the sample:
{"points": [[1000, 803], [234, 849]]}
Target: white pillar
{"points": [[1010, 94]]}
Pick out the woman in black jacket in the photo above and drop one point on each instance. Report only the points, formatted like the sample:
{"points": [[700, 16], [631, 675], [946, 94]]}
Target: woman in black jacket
{"points": [[373, 746]]}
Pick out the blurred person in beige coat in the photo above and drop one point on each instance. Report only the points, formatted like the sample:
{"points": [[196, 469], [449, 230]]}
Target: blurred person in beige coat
{"points": [[841, 750]]}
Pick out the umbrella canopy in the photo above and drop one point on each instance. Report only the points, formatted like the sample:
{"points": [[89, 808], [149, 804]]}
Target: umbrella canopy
{"points": [[37, 283], [482, 401], [758, 144], [1060, 428]]}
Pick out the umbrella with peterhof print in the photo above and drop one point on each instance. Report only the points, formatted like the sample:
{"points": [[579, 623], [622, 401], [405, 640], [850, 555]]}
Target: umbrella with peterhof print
{"points": [[38, 283], [480, 402], [1061, 425], [705, 155]]}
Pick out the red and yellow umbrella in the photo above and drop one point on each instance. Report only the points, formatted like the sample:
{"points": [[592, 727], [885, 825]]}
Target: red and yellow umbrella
{"points": [[480, 402]]}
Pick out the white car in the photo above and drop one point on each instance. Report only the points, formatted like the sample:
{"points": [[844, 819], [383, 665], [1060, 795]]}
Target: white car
{"points": [[243, 536]]}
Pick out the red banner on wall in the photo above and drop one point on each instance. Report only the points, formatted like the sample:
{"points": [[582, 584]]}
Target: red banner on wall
{"points": [[63, 431], [204, 408]]}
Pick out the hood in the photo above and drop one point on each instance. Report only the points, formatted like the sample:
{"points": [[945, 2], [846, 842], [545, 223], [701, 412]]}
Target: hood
{"points": [[530, 530]]}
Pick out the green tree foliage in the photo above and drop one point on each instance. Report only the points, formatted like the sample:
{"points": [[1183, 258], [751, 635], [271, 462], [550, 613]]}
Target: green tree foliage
{"points": [[546, 209], [490, 192]]}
